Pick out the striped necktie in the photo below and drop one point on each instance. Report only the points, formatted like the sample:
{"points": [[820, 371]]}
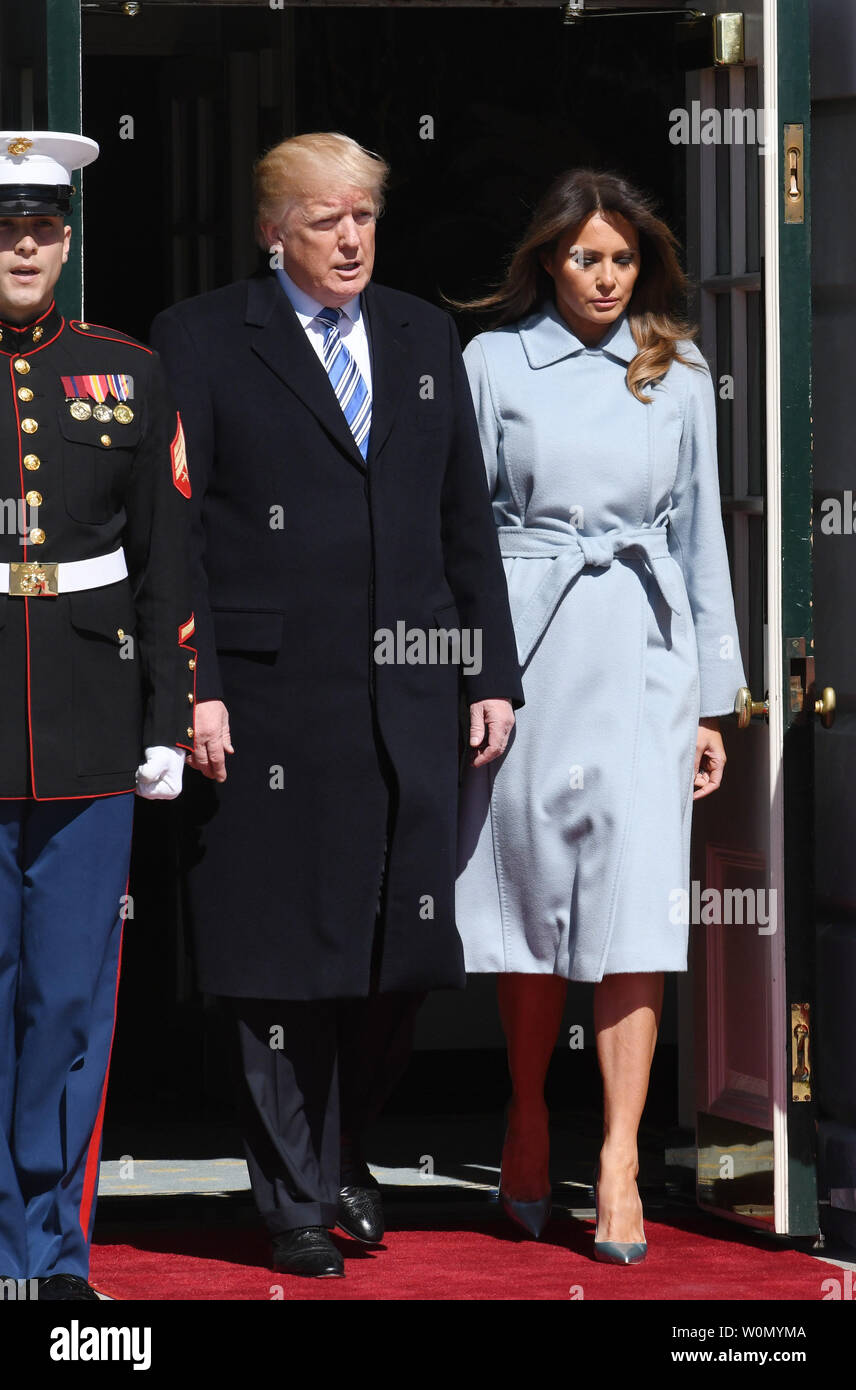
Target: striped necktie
{"points": [[351, 391]]}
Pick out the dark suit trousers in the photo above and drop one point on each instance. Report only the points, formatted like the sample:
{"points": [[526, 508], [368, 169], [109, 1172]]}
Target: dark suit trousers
{"points": [[313, 1070], [318, 1072]]}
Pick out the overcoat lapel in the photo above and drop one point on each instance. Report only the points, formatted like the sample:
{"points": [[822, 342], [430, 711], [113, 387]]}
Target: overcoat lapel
{"points": [[390, 355], [282, 344]]}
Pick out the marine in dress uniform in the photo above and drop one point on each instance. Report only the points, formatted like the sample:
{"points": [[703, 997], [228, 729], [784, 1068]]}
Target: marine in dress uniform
{"points": [[97, 689]]}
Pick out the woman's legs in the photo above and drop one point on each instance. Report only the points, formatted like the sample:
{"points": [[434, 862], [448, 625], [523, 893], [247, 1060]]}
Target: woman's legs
{"points": [[531, 1008], [626, 1017]]}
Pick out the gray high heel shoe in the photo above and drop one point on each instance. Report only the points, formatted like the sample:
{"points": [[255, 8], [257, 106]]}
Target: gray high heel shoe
{"points": [[616, 1252], [532, 1216]]}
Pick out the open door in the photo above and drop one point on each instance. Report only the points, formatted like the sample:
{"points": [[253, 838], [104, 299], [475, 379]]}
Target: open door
{"points": [[223, 80], [752, 859]]}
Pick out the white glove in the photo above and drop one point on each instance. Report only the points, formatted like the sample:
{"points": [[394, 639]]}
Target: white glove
{"points": [[159, 777]]}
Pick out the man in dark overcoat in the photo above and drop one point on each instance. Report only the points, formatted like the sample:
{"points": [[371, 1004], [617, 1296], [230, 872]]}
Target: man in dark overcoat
{"points": [[348, 593]]}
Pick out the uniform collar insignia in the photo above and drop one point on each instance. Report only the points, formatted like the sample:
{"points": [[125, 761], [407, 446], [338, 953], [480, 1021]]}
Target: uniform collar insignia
{"points": [[18, 339], [546, 338]]}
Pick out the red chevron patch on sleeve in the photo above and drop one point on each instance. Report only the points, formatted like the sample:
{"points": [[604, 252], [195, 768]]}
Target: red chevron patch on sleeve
{"points": [[178, 454]]}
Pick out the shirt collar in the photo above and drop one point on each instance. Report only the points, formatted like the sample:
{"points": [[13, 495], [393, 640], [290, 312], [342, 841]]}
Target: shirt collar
{"points": [[307, 308], [547, 338]]}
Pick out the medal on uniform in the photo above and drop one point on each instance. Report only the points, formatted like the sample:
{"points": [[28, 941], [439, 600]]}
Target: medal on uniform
{"points": [[80, 390]]}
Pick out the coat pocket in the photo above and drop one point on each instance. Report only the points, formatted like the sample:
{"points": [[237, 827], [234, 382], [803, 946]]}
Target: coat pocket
{"points": [[107, 681], [95, 474]]}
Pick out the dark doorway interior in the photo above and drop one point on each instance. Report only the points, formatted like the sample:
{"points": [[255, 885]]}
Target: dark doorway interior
{"points": [[509, 97]]}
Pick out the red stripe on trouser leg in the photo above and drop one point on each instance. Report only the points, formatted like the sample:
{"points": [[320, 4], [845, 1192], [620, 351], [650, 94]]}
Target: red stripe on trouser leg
{"points": [[90, 1179]]}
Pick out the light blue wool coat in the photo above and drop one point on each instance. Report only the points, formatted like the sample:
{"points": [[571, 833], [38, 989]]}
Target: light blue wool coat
{"points": [[574, 843]]}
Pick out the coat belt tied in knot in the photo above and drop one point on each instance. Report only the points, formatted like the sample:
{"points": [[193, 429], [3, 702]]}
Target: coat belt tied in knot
{"points": [[571, 553]]}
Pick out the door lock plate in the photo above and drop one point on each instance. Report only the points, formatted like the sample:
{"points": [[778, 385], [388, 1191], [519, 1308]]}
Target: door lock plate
{"points": [[800, 1052], [794, 173]]}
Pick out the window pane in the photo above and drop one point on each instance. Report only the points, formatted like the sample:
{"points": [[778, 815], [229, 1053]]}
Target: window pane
{"points": [[754, 394], [724, 408], [723, 183], [753, 176]]}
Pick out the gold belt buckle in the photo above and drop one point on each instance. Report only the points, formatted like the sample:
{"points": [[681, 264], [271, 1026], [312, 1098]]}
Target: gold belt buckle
{"points": [[33, 580]]}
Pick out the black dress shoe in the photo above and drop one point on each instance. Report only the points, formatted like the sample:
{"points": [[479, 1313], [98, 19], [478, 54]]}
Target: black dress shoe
{"points": [[308, 1250], [360, 1211], [64, 1287]]}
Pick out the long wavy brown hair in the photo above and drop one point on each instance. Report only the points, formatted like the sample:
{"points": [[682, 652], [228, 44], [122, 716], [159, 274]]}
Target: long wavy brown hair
{"points": [[655, 309]]}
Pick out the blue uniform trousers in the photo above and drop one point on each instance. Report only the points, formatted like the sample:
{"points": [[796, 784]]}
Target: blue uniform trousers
{"points": [[63, 871]]}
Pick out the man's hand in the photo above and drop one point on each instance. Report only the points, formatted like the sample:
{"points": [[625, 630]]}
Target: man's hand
{"points": [[213, 740], [492, 720], [709, 758]]}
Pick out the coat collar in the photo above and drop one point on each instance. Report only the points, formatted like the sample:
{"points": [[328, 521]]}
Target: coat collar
{"points": [[20, 339], [390, 348], [546, 338], [283, 345]]}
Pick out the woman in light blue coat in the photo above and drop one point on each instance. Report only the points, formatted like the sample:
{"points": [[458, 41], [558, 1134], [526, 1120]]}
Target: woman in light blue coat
{"points": [[596, 414]]}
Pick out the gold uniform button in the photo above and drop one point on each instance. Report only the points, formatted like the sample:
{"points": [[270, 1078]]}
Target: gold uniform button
{"points": [[191, 664], [32, 461], [29, 426], [37, 536], [106, 440], [34, 499], [189, 698], [22, 365], [189, 732], [24, 393]]}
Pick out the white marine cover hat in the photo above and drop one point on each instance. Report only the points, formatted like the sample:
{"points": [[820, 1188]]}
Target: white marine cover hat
{"points": [[35, 170]]}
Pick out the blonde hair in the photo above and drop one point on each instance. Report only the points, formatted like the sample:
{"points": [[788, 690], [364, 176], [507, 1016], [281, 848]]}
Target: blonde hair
{"points": [[655, 310], [296, 168]]}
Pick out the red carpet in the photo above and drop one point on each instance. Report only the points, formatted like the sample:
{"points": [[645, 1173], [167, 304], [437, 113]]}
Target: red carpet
{"points": [[691, 1257]]}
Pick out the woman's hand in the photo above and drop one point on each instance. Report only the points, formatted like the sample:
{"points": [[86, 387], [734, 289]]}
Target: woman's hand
{"points": [[709, 758]]}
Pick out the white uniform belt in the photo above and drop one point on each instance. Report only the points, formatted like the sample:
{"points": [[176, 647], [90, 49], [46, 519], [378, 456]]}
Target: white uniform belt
{"points": [[33, 578]]}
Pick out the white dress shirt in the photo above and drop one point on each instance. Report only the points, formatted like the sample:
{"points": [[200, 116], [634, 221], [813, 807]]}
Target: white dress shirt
{"points": [[352, 325]]}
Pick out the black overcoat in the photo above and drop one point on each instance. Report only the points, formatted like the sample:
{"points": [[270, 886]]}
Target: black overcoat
{"points": [[302, 554]]}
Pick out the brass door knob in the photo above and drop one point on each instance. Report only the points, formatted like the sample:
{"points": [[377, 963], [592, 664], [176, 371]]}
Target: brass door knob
{"points": [[825, 707], [746, 709]]}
